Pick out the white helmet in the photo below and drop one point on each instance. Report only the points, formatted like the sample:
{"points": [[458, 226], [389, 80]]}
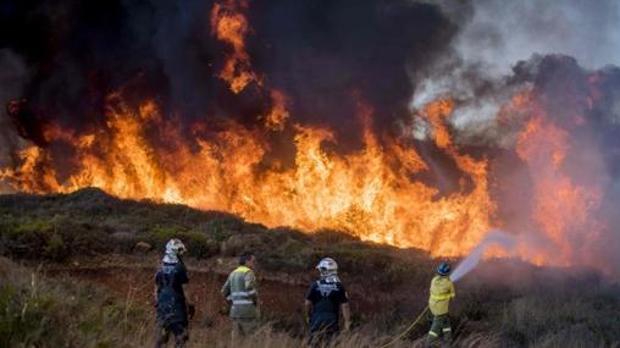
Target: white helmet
{"points": [[327, 267], [174, 248]]}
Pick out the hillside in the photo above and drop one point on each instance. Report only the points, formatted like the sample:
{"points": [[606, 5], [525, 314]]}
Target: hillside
{"points": [[114, 245]]}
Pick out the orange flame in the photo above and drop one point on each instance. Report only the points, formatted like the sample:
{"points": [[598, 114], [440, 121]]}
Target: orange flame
{"points": [[278, 115], [32, 173], [229, 25], [369, 193], [562, 209]]}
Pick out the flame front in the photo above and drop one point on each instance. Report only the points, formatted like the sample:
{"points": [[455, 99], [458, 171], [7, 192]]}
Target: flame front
{"points": [[372, 193], [369, 193]]}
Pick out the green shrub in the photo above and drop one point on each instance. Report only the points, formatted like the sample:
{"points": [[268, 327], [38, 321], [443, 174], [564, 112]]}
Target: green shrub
{"points": [[239, 243], [220, 229], [33, 225], [159, 235], [25, 236], [198, 245], [55, 250]]}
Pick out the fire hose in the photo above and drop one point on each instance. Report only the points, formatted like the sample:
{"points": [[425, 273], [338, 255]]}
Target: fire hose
{"points": [[407, 330]]}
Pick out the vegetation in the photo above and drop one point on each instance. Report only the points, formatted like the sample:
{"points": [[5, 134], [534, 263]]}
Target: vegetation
{"points": [[37, 312], [503, 303], [89, 222]]}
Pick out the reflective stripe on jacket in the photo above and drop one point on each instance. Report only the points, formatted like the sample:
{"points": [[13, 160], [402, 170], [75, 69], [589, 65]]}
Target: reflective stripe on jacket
{"points": [[240, 289], [441, 292]]}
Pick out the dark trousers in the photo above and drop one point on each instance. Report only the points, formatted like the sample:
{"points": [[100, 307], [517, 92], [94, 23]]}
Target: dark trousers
{"points": [[322, 331], [177, 329]]}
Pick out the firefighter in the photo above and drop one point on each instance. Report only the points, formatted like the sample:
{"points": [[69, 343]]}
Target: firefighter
{"points": [[441, 293], [241, 290], [172, 311], [325, 299]]}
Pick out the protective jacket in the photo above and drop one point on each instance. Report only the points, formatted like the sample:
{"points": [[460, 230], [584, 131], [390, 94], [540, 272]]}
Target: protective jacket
{"points": [[241, 289], [441, 292], [171, 306], [326, 298]]}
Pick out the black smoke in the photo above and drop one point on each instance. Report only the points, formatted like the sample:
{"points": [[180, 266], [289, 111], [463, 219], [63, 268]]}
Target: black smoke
{"points": [[327, 56]]}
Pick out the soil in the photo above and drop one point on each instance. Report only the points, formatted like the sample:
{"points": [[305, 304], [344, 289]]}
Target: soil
{"points": [[132, 281], [281, 296]]}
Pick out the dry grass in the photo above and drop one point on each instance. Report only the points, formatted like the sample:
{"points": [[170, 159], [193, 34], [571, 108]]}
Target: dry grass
{"points": [[509, 306], [61, 312], [39, 312]]}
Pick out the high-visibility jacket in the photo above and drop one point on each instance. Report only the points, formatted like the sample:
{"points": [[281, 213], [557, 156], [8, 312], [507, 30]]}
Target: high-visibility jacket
{"points": [[241, 289], [441, 292]]}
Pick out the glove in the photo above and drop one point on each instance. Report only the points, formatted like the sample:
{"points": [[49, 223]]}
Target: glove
{"points": [[191, 311]]}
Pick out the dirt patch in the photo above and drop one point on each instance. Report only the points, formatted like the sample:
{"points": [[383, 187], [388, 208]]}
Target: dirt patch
{"points": [[131, 278], [136, 285]]}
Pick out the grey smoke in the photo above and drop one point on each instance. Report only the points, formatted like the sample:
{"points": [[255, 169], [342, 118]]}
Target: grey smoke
{"points": [[497, 34], [504, 32]]}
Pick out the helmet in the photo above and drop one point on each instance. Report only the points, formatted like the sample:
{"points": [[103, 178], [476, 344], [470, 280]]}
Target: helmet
{"points": [[327, 267], [443, 269], [174, 248]]}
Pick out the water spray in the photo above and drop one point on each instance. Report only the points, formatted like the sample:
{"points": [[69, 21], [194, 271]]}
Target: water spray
{"points": [[495, 237]]}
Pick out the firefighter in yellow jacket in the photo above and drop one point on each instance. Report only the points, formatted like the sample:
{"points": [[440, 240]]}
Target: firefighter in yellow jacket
{"points": [[241, 290], [441, 292]]}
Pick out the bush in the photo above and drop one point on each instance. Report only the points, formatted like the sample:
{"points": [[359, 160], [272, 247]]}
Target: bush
{"points": [[198, 245], [55, 250], [161, 234], [25, 236], [220, 229], [239, 243]]}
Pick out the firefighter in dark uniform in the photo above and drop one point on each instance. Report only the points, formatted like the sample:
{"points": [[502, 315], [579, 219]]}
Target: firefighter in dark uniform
{"points": [[325, 300], [172, 310]]}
